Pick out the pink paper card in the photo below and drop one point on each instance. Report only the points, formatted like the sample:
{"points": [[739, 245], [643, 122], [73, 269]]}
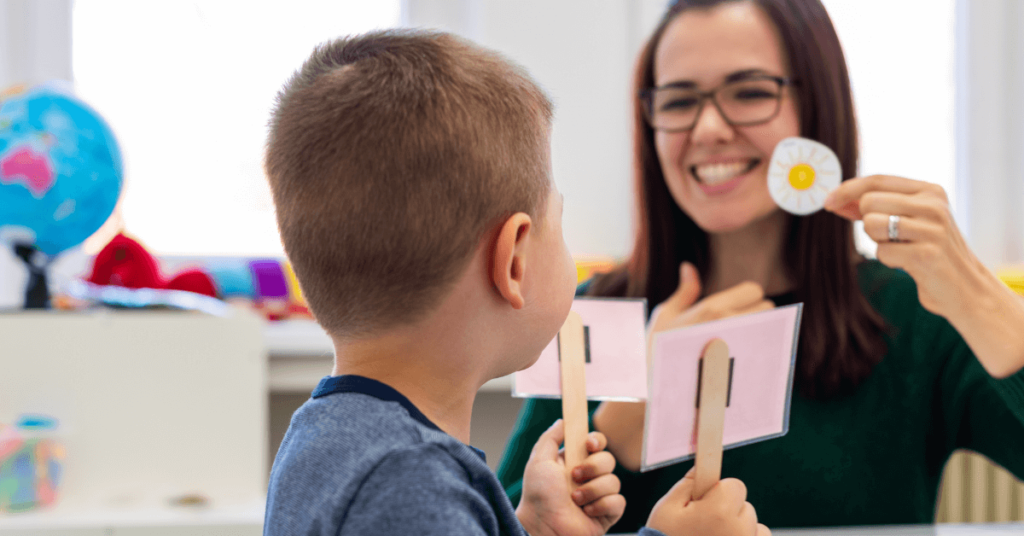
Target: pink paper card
{"points": [[762, 350], [616, 369]]}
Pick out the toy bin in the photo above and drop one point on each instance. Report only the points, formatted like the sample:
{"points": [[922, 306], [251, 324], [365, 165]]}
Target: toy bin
{"points": [[31, 463]]}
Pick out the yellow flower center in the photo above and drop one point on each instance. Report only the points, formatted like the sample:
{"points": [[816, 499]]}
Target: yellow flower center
{"points": [[801, 177]]}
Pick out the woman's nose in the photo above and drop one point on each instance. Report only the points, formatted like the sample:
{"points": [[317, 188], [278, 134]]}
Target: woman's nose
{"points": [[711, 126]]}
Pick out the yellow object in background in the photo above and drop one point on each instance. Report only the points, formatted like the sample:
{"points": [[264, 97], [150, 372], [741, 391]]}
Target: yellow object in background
{"points": [[293, 284], [588, 267], [1014, 278]]}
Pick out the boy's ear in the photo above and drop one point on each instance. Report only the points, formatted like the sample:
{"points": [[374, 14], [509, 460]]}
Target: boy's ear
{"points": [[508, 260]]}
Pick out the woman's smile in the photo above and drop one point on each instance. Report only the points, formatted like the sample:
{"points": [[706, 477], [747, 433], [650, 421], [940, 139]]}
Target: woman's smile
{"points": [[717, 178]]}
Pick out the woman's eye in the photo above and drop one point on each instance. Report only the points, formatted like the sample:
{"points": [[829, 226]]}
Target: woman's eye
{"points": [[682, 103], [753, 94]]}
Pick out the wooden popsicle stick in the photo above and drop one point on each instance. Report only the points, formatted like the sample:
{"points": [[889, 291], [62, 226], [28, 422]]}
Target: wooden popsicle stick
{"points": [[574, 392], [711, 416]]}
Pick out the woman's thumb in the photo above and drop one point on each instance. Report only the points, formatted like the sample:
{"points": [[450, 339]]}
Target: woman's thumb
{"points": [[689, 287]]}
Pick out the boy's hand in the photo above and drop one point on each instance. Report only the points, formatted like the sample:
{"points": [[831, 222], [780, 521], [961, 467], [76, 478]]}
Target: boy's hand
{"points": [[723, 511], [549, 507]]}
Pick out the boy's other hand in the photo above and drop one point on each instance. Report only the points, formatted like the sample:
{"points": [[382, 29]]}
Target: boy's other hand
{"points": [[549, 507], [722, 511]]}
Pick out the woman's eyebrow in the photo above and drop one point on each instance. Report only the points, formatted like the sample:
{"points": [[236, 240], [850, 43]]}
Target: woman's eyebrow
{"points": [[731, 77], [746, 73]]}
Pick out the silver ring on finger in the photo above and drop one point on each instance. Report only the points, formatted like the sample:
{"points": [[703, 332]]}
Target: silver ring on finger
{"points": [[894, 228]]}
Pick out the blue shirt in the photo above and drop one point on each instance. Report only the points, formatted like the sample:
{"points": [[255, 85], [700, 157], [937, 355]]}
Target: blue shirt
{"points": [[359, 458]]}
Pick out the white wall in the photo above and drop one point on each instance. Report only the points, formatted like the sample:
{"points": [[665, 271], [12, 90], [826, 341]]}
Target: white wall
{"points": [[35, 41]]}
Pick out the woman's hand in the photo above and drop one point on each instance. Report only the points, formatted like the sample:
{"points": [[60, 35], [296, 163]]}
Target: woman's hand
{"points": [[680, 309], [951, 281], [622, 422]]}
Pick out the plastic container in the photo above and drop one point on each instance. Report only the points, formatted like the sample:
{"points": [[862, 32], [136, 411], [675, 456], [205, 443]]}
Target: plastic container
{"points": [[31, 463]]}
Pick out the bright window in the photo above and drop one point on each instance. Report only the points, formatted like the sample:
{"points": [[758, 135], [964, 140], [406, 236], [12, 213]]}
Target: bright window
{"points": [[901, 60], [188, 88]]}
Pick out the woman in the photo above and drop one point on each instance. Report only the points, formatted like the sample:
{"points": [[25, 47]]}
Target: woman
{"points": [[896, 368]]}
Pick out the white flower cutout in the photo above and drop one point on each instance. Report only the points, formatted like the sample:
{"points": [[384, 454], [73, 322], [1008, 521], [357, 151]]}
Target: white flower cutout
{"points": [[801, 175]]}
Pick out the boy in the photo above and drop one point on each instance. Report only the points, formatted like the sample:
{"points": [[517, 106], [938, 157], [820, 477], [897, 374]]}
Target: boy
{"points": [[411, 177]]}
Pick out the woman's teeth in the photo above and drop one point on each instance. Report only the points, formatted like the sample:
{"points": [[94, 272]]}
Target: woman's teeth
{"points": [[712, 174]]}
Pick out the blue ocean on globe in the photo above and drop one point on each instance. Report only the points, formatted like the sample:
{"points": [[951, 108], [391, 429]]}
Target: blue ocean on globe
{"points": [[60, 167]]}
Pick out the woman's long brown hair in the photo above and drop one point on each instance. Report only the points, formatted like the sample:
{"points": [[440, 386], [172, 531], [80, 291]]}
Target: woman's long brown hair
{"points": [[841, 334]]}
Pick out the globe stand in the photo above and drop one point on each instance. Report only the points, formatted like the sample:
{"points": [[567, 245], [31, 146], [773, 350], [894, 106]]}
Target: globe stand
{"points": [[37, 295]]}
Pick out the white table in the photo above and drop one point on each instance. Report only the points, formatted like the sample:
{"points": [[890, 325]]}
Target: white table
{"points": [[980, 529], [977, 529], [244, 520], [248, 521]]}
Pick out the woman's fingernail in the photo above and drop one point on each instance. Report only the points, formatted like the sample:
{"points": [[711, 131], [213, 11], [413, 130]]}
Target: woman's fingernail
{"points": [[577, 474], [577, 496]]}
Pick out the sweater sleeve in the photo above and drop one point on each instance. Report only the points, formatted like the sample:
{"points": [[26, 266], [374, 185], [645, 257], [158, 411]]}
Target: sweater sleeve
{"points": [[421, 491], [981, 413]]}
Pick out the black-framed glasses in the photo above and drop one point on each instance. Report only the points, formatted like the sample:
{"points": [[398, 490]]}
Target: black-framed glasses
{"points": [[745, 102]]}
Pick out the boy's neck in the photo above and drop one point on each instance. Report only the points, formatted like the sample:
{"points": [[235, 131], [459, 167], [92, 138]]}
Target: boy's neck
{"points": [[438, 363], [444, 397]]}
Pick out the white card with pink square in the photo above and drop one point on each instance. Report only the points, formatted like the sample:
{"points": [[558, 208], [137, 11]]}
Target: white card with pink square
{"points": [[762, 352], [615, 350]]}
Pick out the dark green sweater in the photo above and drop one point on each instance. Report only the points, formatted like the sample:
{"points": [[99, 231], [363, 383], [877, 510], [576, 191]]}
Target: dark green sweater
{"points": [[875, 457]]}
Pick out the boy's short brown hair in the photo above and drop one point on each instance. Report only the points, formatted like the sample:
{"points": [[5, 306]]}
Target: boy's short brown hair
{"points": [[390, 156]]}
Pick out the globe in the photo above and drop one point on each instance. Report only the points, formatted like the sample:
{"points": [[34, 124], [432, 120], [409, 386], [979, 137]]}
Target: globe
{"points": [[60, 168]]}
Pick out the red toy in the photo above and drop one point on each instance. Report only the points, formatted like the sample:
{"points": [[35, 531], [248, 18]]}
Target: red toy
{"points": [[126, 263]]}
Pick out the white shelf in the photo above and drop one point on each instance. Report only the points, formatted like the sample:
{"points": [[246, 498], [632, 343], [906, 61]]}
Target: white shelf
{"points": [[300, 354], [140, 397]]}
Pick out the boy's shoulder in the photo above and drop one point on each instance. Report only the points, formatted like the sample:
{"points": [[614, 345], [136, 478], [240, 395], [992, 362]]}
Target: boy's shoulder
{"points": [[363, 460], [348, 429], [354, 419]]}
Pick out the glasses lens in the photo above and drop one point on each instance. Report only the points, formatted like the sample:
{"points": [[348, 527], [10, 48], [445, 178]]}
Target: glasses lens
{"points": [[749, 101], [674, 108]]}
